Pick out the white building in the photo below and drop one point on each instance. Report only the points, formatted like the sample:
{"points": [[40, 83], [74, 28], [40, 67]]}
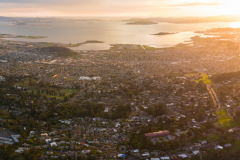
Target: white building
{"points": [[53, 144], [2, 78]]}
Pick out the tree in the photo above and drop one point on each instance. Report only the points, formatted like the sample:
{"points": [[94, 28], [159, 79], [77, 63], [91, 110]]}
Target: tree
{"points": [[30, 141], [209, 125], [5, 146], [189, 133], [151, 110], [158, 110]]}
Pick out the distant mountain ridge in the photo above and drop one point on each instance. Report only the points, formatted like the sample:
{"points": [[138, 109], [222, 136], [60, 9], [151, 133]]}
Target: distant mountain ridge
{"points": [[42, 20], [223, 18]]}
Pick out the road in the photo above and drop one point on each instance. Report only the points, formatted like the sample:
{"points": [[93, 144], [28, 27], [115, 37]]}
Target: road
{"points": [[217, 103], [74, 97], [214, 97], [143, 47]]}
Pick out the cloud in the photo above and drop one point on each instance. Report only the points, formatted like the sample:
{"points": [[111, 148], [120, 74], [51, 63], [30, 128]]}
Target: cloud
{"points": [[102, 7], [197, 4]]}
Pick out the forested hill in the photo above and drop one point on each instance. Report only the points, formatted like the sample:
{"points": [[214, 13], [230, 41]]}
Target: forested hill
{"points": [[225, 76], [60, 51]]}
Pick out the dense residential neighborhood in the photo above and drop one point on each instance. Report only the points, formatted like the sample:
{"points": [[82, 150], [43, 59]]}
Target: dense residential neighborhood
{"points": [[129, 102]]}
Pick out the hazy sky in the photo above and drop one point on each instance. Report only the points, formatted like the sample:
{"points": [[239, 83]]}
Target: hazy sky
{"points": [[133, 8]]}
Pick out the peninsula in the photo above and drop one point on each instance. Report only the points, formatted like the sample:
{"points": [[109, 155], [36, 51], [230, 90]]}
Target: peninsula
{"points": [[78, 44], [142, 23], [31, 37], [94, 41]]}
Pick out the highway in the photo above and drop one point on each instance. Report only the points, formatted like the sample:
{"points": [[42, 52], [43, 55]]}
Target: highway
{"points": [[214, 97]]}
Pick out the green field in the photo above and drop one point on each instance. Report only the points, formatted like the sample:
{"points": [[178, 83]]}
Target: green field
{"points": [[212, 138], [224, 120], [236, 146], [205, 79], [222, 112], [70, 78], [66, 92]]}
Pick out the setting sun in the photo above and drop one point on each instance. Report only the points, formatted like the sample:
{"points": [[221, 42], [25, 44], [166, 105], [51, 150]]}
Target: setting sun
{"points": [[235, 24]]}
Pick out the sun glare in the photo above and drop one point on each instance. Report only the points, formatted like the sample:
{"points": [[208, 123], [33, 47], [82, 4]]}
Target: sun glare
{"points": [[235, 24]]}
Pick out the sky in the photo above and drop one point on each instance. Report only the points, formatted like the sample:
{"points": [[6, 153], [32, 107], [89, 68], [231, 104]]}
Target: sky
{"points": [[118, 8]]}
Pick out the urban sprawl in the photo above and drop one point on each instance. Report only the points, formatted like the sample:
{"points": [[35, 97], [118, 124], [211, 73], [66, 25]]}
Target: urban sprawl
{"points": [[129, 102]]}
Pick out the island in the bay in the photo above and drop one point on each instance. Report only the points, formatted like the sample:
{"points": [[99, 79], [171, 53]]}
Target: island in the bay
{"points": [[20, 36], [143, 22], [19, 23], [163, 33]]}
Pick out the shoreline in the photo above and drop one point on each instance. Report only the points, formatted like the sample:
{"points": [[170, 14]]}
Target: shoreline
{"points": [[52, 44], [96, 48]]}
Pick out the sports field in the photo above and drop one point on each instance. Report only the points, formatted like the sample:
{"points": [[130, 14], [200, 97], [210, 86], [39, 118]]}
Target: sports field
{"points": [[224, 120], [66, 92], [70, 78]]}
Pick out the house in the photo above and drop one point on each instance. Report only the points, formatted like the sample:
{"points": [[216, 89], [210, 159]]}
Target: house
{"points": [[191, 147], [197, 144], [145, 154], [117, 124], [38, 147], [25, 144], [5, 138], [121, 155], [135, 151], [196, 152], [203, 142], [154, 153], [48, 140], [218, 147], [183, 156], [44, 134], [228, 145], [165, 158], [174, 157], [42, 157], [1, 77], [53, 144], [49, 152], [86, 151], [14, 138], [185, 148], [158, 134], [44, 146], [19, 150]]}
